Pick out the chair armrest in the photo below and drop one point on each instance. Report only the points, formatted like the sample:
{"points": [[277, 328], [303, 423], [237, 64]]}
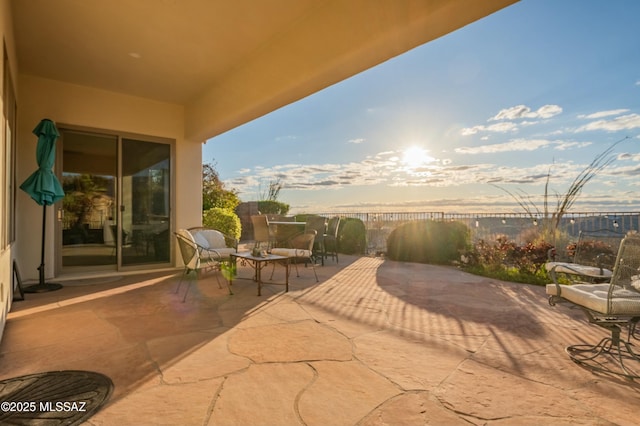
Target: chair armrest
{"points": [[213, 254]]}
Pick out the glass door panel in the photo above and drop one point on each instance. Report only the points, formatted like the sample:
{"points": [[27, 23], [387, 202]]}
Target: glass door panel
{"points": [[146, 198], [88, 217]]}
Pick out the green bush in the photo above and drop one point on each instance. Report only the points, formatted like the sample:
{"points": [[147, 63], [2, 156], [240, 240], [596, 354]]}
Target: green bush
{"points": [[428, 241], [273, 207], [224, 220], [352, 236]]}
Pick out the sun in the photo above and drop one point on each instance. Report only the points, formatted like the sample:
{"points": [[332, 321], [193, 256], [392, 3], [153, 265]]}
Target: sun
{"points": [[415, 156]]}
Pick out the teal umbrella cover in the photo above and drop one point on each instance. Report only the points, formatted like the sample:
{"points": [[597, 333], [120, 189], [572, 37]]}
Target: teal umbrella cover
{"points": [[43, 185]]}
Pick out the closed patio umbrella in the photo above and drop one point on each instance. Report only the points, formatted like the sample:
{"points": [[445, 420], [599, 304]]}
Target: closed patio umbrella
{"points": [[45, 189]]}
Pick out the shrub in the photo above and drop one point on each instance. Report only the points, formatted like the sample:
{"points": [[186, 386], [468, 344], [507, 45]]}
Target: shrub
{"points": [[273, 207], [504, 259], [224, 220], [428, 241], [352, 236]]}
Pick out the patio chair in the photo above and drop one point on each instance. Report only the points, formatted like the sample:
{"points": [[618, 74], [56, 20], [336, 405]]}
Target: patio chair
{"points": [[591, 259], [331, 238], [261, 232], [612, 306], [318, 224], [298, 249], [197, 257]]}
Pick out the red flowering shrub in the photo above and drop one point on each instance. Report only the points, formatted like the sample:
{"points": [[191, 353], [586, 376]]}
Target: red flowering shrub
{"points": [[592, 252], [503, 254]]}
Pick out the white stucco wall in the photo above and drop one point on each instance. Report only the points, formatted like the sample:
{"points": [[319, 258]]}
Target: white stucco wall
{"points": [[83, 106], [7, 252]]}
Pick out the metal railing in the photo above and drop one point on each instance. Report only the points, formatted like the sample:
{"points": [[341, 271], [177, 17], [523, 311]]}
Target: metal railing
{"points": [[518, 227]]}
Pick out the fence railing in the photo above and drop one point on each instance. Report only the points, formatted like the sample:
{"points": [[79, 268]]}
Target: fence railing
{"points": [[518, 227]]}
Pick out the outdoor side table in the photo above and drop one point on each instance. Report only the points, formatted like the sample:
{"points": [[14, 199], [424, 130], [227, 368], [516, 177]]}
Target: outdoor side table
{"points": [[258, 263]]}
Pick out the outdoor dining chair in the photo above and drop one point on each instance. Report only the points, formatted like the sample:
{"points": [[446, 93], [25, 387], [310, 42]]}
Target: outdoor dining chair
{"points": [[331, 238], [261, 233], [612, 306], [318, 224], [298, 249]]}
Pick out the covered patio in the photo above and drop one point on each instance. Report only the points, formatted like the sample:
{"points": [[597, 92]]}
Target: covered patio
{"points": [[375, 342]]}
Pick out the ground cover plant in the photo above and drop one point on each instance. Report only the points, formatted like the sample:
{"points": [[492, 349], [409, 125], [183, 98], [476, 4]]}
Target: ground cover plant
{"points": [[505, 260]]}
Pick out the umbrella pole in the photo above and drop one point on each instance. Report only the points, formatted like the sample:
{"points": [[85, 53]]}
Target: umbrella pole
{"points": [[42, 287], [44, 228]]}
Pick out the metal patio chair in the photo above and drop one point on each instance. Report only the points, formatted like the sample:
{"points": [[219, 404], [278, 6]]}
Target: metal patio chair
{"points": [[591, 258], [318, 224], [612, 306], [196, 258], [331, 238], [261, 232], [298, 249]]}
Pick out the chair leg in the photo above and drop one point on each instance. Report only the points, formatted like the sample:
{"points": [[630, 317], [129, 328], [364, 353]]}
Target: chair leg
{"points": [[189, 287], [274, 268], [184, 272], [615, 347], [219, 285], [296, 265], [313, 266]]}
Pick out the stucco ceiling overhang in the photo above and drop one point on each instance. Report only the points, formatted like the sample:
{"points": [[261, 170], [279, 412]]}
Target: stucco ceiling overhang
{"points": [[226, 61]]}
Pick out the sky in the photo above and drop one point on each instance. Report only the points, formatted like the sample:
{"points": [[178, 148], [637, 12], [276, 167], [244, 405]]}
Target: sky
{"points": [[530, 94]]}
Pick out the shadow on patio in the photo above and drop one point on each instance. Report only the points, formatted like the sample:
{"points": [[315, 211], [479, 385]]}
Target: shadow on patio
{"points": [[375, 341]]}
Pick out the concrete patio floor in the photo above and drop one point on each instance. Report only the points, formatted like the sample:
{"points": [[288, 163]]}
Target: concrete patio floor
{"points": [[376, 342]]}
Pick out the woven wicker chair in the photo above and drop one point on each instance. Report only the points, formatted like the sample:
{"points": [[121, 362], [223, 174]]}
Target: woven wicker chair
{"points": [[612, 306]]}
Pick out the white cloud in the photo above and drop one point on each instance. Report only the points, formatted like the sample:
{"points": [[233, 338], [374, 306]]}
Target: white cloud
{"points": [[513, 113], [517, 112], [623, 122], [523, 111], [515, 145], [496, 128], [548, 111], [357, 140], [601, 114], [561, 146]]}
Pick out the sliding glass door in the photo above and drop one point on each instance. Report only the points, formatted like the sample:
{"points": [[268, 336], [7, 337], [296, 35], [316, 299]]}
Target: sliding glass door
{"points": [[146, 190], [88, 217], [116, 210]]}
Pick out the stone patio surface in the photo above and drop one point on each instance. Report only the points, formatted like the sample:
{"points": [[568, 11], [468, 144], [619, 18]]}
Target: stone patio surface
{"points": [[376, 342]]}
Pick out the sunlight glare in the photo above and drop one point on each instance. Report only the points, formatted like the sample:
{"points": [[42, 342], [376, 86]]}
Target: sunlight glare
{"points": [[415, 157]]}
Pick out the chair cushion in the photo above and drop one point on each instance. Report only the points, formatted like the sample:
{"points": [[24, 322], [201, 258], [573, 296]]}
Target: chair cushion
{"points": [[595, 297], [214, 239], [291, 252], [200, 240]]}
